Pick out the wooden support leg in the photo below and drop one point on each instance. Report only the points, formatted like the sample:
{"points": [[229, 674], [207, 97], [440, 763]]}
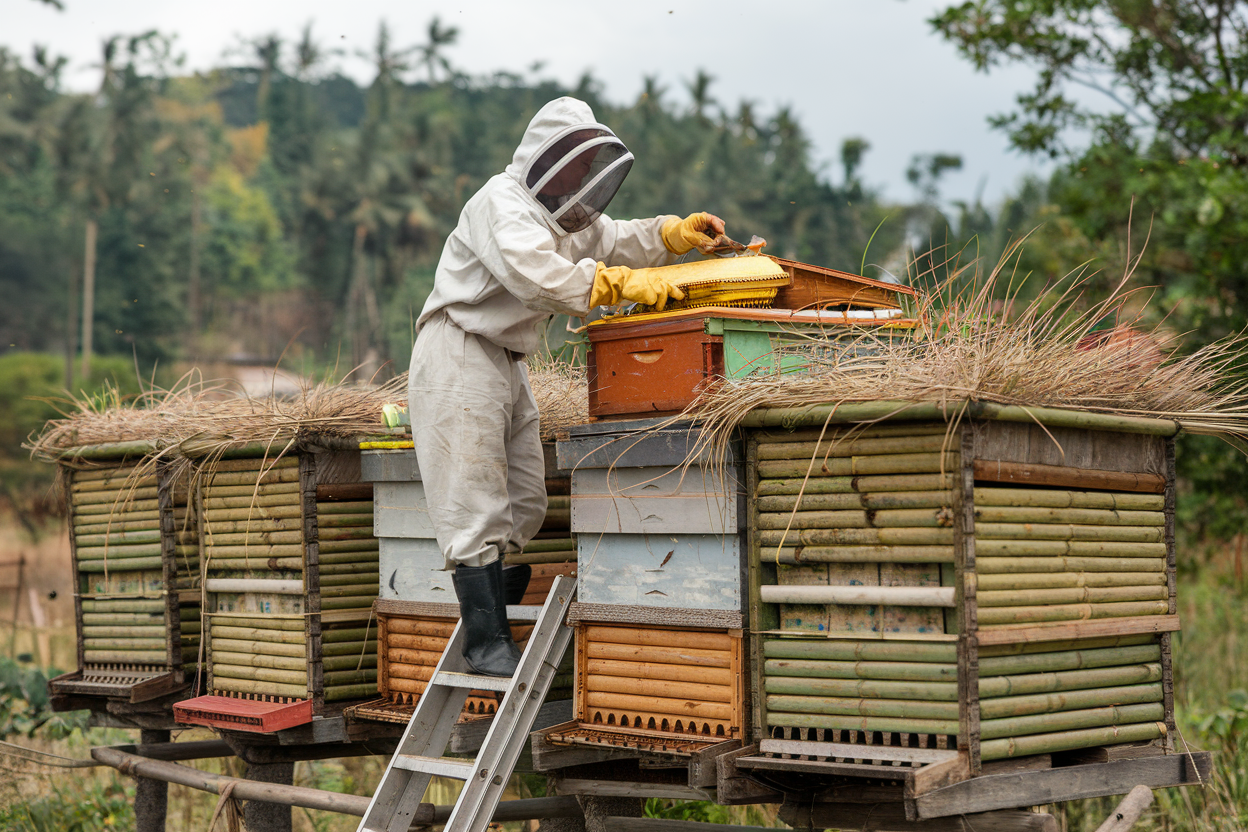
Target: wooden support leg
{"points": [[151, 797], [599, 809], [268, 817]]}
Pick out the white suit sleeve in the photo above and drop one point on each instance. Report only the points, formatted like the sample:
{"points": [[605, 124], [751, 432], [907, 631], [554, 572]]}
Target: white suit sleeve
{"points": [[637, 244], [518, 250]]}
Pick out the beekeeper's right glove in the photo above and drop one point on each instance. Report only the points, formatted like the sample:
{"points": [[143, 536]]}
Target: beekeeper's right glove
{"points": [[613, 284]]}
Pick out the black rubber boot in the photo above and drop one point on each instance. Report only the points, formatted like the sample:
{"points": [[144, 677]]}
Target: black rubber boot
{"points": [[488, 646], [516, 582]]}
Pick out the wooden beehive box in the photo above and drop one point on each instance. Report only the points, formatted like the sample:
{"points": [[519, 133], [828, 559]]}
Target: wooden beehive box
{"points": [[134, 547], [290, 566], [994, 584], [417, 608], [660, 575], [642, 365]]}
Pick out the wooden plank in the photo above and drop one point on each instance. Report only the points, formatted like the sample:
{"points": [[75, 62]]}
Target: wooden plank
{"points": [[625, 788], [1070, 630], [398, 465], [617, 446], [1057, 785], [389, 606], [1075, 448], [967, 603], [686, 571], [1021, 473], [621, 824], [891, 817], [703, 763], [550, 757], [733, 787]]}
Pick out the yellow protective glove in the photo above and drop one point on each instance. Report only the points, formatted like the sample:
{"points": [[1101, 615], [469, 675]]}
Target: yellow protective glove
{"points": [[613, 284], [694, 231]]}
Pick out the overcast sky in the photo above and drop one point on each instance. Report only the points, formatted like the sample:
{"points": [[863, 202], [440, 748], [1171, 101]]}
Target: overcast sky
{"points": [[869, 68]]}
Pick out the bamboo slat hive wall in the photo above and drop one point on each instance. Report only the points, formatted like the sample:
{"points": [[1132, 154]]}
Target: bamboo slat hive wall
{"points": [[136, 561], [876, 551], [290, 565]]}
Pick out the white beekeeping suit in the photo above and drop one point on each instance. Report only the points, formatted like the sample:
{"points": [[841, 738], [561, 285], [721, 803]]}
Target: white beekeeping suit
{"points": [[532, 242]]}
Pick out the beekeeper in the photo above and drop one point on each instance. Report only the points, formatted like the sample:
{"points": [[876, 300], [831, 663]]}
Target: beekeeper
{"points": [[532, 242]]}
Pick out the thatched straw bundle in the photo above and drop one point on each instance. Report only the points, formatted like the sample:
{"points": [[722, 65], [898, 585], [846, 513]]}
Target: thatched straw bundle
{"points": [[973, 345], [209, 416]]}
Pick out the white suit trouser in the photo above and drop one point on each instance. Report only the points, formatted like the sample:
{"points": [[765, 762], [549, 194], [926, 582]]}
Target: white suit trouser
{"points": [[475, 426]]}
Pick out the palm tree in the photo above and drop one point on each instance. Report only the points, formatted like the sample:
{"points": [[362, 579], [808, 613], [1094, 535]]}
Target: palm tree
{"points": [[431, 56], [700, 90]]}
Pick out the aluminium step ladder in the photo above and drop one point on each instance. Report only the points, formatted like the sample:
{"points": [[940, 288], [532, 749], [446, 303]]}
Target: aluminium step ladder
{"points": [[419, 754]]}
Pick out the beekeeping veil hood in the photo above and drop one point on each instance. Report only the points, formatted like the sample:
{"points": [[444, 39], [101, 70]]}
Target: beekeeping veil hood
{"points": [[570, 164]]}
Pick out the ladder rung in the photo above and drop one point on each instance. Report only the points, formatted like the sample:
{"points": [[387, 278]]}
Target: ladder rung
{"points": [[525, 613], [439, 766], [472, 681]]}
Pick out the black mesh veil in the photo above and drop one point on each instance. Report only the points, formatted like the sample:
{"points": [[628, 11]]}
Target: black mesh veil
{"points": [[576, 177]]}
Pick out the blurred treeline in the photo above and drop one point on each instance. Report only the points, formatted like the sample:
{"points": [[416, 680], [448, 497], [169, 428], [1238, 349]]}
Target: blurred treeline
{"points": [[272, 207]]}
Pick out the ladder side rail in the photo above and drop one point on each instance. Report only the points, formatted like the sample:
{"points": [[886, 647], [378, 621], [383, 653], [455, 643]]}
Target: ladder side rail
{"points": [[399, 792], [511, 725]]}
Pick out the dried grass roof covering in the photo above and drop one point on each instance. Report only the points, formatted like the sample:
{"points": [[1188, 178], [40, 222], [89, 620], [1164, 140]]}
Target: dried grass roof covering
{"points": [[212, 416], [980, 343]]}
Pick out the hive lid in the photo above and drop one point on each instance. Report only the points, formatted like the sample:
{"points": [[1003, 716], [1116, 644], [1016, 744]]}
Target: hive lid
{"points": [[243, 714]]}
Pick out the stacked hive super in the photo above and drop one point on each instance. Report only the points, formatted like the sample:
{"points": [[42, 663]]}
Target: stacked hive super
{"points": [[290, 566], [658, 616], [417, 608], [997, 588], [136, 561]]}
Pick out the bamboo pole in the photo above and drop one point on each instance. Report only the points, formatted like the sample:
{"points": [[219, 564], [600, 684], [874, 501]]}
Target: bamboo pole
{"points": [[114, 564], [856, 500], [1068, 740], [555, 545], [350, 648], [121, 496], [227, 683], [274, 475], [867, 650], [1068, 499], [698, 692], [819, 520], [843, 706], [900, 596], [338, 521], [1044, 703], [1071, 720], [358, 586], [250, 635], [667, 672], [1065, 477], [1072, 612], [946, 727], [833, 537], [118, 539], [362, 602], [256, 525], [1025, 582], [339, 693], [1066, 531], [348, 634], [895, 671], [362, 546], [100, 552], [252, 538], [272, 586], [258, 659], [856, 688], [685, 708], [352, 578], [1074, 595], [253, 551], [122, 509], [556, 556], [258, 674], [988, 566], [121, 619], [861, 554], [412, 670], [129, 606], [265, 462], [251, 501], [93, 642], [248, 492], [351, 533], [1060, 548], [1085, 516], [111, 525], [931, 443], [121, 484], [830, 433], [845, 484], [124, 656], [1066, 680], [221, 516], [338, 678], [928, 463], [654, 637], [135, 630], [1079, 659], [118, 472]]}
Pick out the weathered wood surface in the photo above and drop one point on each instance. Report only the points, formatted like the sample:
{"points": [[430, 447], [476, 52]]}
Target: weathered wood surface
{"points": [[891, 817], [1035, 788], [389, 466], [413, 570], [691, 500], [1128, 811], [657, 616], [620, 447], [689, 571], [1096, 450], [400, 509]]}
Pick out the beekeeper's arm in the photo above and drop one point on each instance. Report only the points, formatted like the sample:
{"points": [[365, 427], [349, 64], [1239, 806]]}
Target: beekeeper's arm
{"points": [[521, 255]]}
